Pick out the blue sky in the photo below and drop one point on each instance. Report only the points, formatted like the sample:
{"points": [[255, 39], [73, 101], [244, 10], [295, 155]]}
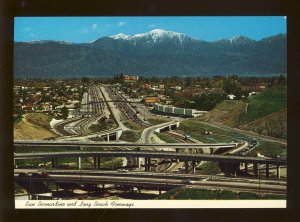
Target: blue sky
{"points": [[87, 29]]}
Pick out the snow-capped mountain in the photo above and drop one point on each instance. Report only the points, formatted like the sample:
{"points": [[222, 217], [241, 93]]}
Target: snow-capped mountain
{"points": [[239, 39], [155, 35], [119, 36], [157, 52]]}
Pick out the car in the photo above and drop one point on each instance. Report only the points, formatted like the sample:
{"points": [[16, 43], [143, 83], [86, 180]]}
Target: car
{"points": [[122, 170], [188, 181], [187, 137]]}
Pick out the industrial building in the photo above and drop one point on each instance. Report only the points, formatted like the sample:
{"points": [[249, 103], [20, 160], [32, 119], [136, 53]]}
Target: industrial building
{"points": [[172, 110]]}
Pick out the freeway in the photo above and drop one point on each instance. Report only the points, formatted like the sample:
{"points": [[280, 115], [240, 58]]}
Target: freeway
{"points": [[148, 132], [154, 154], [164, 175], [246, 133], [154, 182], [40, 143]]}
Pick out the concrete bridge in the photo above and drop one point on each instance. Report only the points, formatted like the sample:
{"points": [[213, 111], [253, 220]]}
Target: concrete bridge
{"points": [[230, 163]]}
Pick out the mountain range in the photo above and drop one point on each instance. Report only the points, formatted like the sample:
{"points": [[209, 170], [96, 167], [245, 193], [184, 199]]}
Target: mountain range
{"points": [[158, 52]]}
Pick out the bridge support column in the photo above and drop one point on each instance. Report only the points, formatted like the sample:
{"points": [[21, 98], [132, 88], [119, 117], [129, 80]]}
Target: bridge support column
{"points": [[79, 163], [194, 166], [98, 162], [246, 169], [145, 163], [95, 162], [108, 138], [138, 162], [211, 150], [54, 162], [278, 171], [149, 164], [267, 170], [186, 166], [255, 169], [226, 170]]}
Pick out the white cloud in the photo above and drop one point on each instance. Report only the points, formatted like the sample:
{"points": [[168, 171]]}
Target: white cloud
{"points": [[83, 30], [26, 29], [120, 24], [151, 25], [32, 34], [94, 26]]}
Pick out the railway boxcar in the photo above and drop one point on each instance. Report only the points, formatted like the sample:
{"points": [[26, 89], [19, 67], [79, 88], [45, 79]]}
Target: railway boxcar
{"points": [[179, 111], [169, 109]]}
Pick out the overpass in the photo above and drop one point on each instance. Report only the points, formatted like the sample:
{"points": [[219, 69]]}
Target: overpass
{"points": [[229, 161], [44, 143], [146, 182]]}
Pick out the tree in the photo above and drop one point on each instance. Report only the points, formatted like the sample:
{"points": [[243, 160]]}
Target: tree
{"points": [[232, 87], [65, 112]]}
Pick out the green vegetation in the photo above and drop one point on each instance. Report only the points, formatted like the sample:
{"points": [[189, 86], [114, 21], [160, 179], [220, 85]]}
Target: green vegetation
{"points": [[274, 124], [156, 121], [166, 138], [19, 189], [183, 193], [132, 126], [39, 119], [227, 112], [202, 102], [103, 124], [269, 101], [195, 129], [64, 112], [71, 163], [209, 168], [97, 138], [130, 136], [19, 112], [269, 149]]}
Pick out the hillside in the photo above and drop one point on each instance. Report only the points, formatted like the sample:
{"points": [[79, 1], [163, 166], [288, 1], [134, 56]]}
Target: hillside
{"points": [[274, 124], [269, 101], [266, 113], [33, 127], [157, 52], [228, 112]]}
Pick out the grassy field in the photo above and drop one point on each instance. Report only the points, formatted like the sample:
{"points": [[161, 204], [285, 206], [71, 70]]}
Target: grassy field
{"points": [[39, 119], [274, 124], [35, 126], [102, 126], [269, 101], [195, 128], [165, 138], [209, 168], [269, 149], [132, 126], [182, 193], [227, 112], [130, 136], [156, 121]]}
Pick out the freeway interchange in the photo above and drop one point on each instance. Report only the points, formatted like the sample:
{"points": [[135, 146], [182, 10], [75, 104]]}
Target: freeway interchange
{"points": [[156, 166]]}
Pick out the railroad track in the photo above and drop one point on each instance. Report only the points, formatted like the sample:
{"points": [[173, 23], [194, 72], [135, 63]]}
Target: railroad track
{"points": [[79, 126]]}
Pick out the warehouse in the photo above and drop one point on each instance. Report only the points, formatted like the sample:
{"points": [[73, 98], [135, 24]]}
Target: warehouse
{"points": [[172, 110]]}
